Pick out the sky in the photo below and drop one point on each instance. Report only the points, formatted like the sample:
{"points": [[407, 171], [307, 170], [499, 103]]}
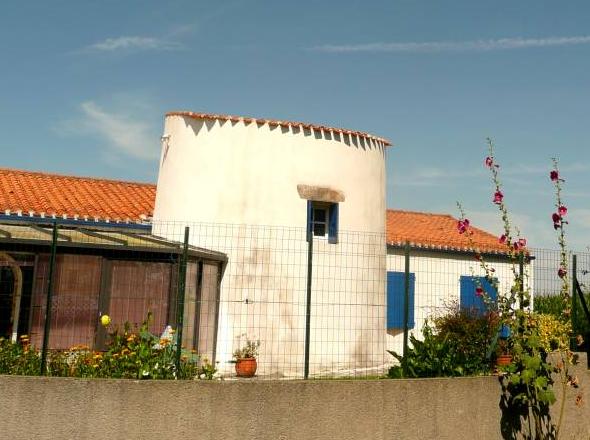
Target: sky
{"points": [[85, 86]]}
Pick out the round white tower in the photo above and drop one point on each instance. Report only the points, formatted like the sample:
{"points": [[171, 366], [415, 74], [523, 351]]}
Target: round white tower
{"points": [[252, 188]]}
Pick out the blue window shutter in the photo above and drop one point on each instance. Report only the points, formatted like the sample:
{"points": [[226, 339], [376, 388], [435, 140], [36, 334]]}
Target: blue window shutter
{"points": [[468, 298], [309, 228], [333, 223], [395, 300]]}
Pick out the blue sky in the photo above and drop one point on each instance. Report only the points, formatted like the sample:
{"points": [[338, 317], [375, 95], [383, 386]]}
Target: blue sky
{"points": [[85, 86]]}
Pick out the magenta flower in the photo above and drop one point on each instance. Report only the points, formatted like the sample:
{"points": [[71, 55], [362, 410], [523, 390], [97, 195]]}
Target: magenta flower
{"points": [[462, 226], [562, 210], [502, 239], [479, 291], [498, 197], [489, 162], [554, 176], [521, 243], [561, 272]]}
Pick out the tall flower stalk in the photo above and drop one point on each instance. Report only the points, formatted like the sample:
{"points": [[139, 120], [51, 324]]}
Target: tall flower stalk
{"points": [[527, 390]]}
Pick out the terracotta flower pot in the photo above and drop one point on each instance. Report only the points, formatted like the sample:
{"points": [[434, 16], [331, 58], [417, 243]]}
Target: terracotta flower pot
{"points": [[246, 367], [503, 360]]}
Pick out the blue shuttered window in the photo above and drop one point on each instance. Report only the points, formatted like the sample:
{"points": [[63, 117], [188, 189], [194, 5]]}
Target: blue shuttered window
{"points": [[469, 299], [322, 220], [396, 282]]}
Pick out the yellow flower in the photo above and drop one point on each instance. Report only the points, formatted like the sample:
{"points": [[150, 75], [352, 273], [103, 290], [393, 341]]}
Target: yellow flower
{"points": [[105, 320]]}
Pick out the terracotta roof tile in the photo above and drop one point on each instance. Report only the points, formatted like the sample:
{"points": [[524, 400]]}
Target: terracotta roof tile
{"points": [[53, 194], [437, 232], [274, 122]]}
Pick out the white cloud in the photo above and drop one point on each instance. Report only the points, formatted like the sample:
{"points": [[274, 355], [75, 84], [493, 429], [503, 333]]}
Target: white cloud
{"points": [[133, 43], [125, 134], [455, 46]]}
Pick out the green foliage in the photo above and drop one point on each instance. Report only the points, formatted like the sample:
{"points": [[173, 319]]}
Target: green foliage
{"points": [[553, 305], [449, 349], [18, 357], [131, 354], [248, 350]]}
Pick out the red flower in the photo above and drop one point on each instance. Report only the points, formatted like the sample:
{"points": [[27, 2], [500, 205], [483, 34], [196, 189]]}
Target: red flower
{"points": [[562, 210], [554, 176], [522, 242], [479, 291], [561, 272], [502, 239], [489, 162], [462, 226], [498, 197]]}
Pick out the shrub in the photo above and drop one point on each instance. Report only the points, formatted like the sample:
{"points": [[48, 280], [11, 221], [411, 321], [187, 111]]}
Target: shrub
{"points": [[457, 345], [18, 357]]}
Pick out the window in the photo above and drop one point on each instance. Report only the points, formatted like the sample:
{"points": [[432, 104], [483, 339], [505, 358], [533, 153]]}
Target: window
{"points": [[468, 297], [396, 292], [322, 220]]}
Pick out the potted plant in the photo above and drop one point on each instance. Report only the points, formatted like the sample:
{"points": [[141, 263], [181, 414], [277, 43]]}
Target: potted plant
{"points": [[245, 358], [503, 356]]}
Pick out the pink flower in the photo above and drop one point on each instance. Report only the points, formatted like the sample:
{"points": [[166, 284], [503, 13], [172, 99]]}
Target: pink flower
{"points": [[502, 239], [561, 272], [562, 210], [479, 291], [498, 197], [519, 244], [554, 176], [489, 162], [462, 226]]}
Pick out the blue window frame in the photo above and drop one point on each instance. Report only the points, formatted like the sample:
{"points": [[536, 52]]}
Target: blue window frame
{"points": [[468, 297], [396, 282], [322, 220]]}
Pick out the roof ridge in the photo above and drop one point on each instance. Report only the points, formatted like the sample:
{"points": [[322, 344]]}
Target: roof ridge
{"points": [[406, 211], [71, 176], [226, 117]]}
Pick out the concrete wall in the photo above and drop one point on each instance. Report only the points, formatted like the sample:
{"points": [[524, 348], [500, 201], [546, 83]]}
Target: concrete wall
{"points": [[463, 408], [437, 282], [235, 184]]}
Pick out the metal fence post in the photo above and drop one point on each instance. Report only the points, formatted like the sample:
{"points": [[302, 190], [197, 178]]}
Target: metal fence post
{"points": [[47, 326], [406, 303], [308, 302], [180, 303], [574, 294]]}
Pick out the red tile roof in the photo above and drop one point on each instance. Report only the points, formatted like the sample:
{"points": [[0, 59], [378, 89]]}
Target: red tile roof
{"points": [[32, 193], [437, 232], [42, 194], [274, 122]]}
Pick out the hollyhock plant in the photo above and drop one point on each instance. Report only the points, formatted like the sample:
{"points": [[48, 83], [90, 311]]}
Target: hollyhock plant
{"points": [[528, 380]]}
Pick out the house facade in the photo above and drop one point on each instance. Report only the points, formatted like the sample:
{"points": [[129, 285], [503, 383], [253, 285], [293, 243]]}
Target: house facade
{"points": [[444, 272]]}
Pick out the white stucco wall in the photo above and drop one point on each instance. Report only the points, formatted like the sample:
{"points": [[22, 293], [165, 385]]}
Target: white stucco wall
{"points": [[235, 185], [437, 282]]}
